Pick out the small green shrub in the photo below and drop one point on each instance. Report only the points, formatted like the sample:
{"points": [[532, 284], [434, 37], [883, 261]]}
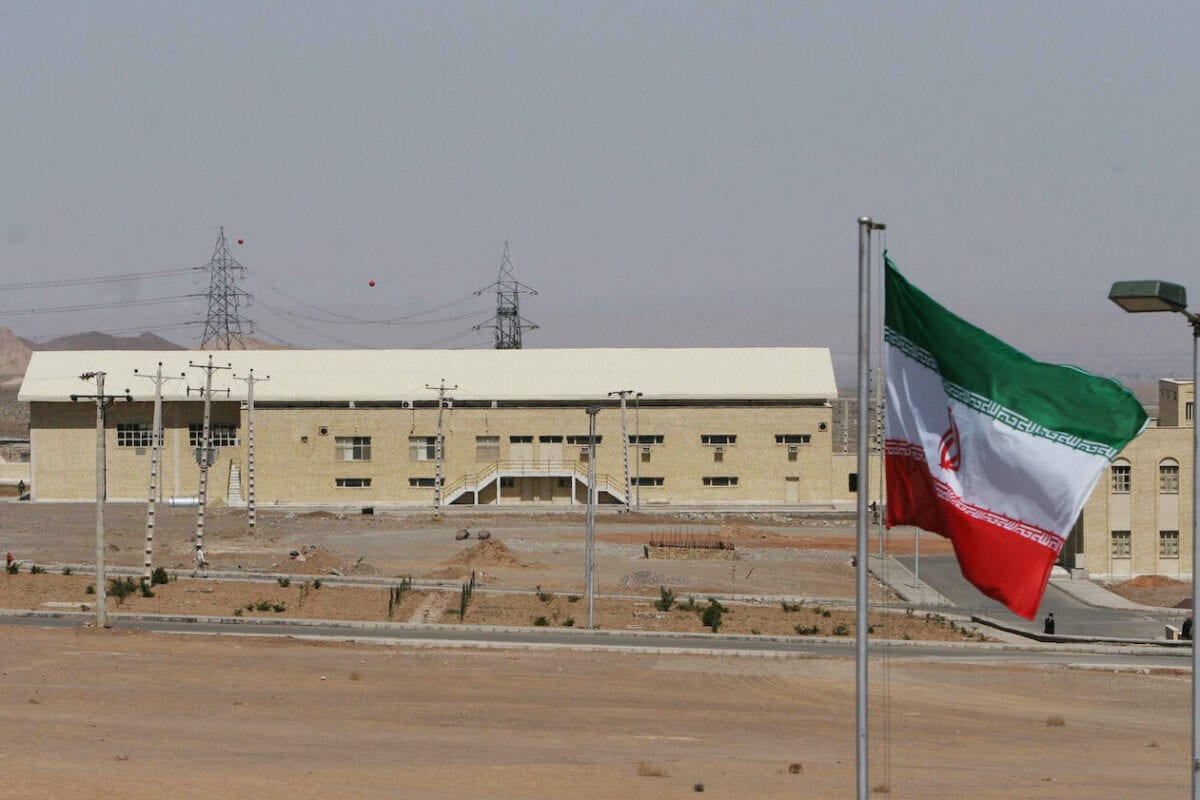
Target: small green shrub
{"points": [[14, 568], [317, 583], [285, 582], [279, 608], [66, 570], [712, 615], [572, 598], [690, 605], [34, 569], [145, 588], [666, 599], [262, 605], [543, 595], [159, 576], [826, 614], [121, 588], [808, 630], [791, 608], [541, 622], [841, 630], [237, 612], [91, 589], [569, 622]]}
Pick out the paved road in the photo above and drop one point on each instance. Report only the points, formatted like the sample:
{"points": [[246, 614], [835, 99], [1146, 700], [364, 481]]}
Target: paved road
{"points": [[1072, 617], [762, 646]]}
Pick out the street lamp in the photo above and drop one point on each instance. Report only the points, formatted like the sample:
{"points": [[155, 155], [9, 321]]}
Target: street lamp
{"points": [[1145, 296]]}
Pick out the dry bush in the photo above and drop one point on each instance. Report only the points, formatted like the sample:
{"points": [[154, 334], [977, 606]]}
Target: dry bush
{"points": [[881, 788], [356, 675], [648, 770], [1055, 722], [795, 768]]}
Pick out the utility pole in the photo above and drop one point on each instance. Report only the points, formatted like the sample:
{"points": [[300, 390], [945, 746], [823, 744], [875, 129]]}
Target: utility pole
{"points": [[250, 381], [637, 434], [204, 452], [589, 552], [438, 445], [156, 434], [102, 401], [625, 440]]}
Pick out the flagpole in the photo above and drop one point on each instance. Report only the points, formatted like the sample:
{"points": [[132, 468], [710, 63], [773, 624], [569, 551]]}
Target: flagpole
{"points": [[865, 226]]}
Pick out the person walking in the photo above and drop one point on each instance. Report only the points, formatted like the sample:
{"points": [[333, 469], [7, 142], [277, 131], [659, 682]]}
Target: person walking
{"points": [[1049, 626], [1187, 629]]}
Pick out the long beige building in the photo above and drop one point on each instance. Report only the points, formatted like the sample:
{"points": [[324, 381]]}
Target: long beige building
{"points": [[361, 428], [1138, 520]]}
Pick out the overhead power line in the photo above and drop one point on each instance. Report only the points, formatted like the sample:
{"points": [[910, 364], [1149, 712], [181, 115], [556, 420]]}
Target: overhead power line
{"points": [[154, 301], [59, 283]]}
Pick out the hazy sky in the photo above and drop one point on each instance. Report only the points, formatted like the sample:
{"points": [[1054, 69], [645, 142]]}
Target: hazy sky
{"points": [[669, 174]]}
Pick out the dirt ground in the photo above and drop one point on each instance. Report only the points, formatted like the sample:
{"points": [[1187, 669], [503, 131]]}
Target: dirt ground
{"points": [[776, 554], [1154, 590], [103, 714], [300, 599]]}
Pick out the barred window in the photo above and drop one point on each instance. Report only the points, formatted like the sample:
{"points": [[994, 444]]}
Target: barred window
{"points": [[1168, 477], [422, 483], [352, 483], [583, 439], [218, 435], [1121, 544], [1122, 478], [422, 448], [793, 438], [721, 480], [646, 438], [1168, 544], [718, 438], [644, 481], [134, 434], [352, 448]]}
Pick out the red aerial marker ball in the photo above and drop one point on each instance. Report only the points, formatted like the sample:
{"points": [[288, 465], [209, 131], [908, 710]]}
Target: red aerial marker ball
{"points": [[370, 283], [241, 241]]}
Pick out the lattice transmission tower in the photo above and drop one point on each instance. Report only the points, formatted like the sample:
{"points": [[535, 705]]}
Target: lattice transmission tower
{"points": [[224, 325], [508, 322]]}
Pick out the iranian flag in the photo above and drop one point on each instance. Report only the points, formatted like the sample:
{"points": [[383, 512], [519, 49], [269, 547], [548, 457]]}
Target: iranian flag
{"points": [[989, 448]]}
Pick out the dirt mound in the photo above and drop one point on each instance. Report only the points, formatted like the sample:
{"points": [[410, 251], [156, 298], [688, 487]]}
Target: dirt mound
{"points": [[1150, 582], [488, 553], [316, 561]]}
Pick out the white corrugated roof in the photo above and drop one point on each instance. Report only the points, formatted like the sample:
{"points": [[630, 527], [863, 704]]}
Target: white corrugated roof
{"points": [[774, 373]]}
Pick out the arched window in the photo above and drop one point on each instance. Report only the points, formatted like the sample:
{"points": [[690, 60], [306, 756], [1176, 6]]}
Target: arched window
{"points": [[1122, 476], [1168, 476]]}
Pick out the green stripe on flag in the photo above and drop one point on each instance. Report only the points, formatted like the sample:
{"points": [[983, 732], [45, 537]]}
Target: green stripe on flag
{"points": [[1058, 398]]}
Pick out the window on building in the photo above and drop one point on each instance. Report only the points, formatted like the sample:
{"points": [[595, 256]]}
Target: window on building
{"points": [[644, 481], [1122, 544], [218, 435], [134, 434], [583, 439], [645, 455], [646, 439], [550, 439], [1189, 410], [852, 482], [508, 483], [487, 448], [793, 438], [422, 448], [352, 448], [718, 438], [564, 483], [1168, 544], [520, 439], [422, 483], [1122, 477], [721, 480], [1168, 477], [352, 483]]}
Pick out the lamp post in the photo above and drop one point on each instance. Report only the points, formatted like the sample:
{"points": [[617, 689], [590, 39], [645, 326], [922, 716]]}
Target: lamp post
{"points": [[1148, 296], [589, 547], [637, 435]]}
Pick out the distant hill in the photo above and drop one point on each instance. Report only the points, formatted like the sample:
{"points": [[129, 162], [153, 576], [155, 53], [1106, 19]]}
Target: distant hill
{"points": [[104, 341]]}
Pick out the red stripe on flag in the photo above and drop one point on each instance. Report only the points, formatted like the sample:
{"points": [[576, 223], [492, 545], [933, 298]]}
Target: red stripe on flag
{"points": [[1006, 565]]}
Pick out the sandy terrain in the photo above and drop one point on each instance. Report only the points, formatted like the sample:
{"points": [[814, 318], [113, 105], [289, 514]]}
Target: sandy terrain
{"points": [[99, 714], [1154, 590], [775, 554]]}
